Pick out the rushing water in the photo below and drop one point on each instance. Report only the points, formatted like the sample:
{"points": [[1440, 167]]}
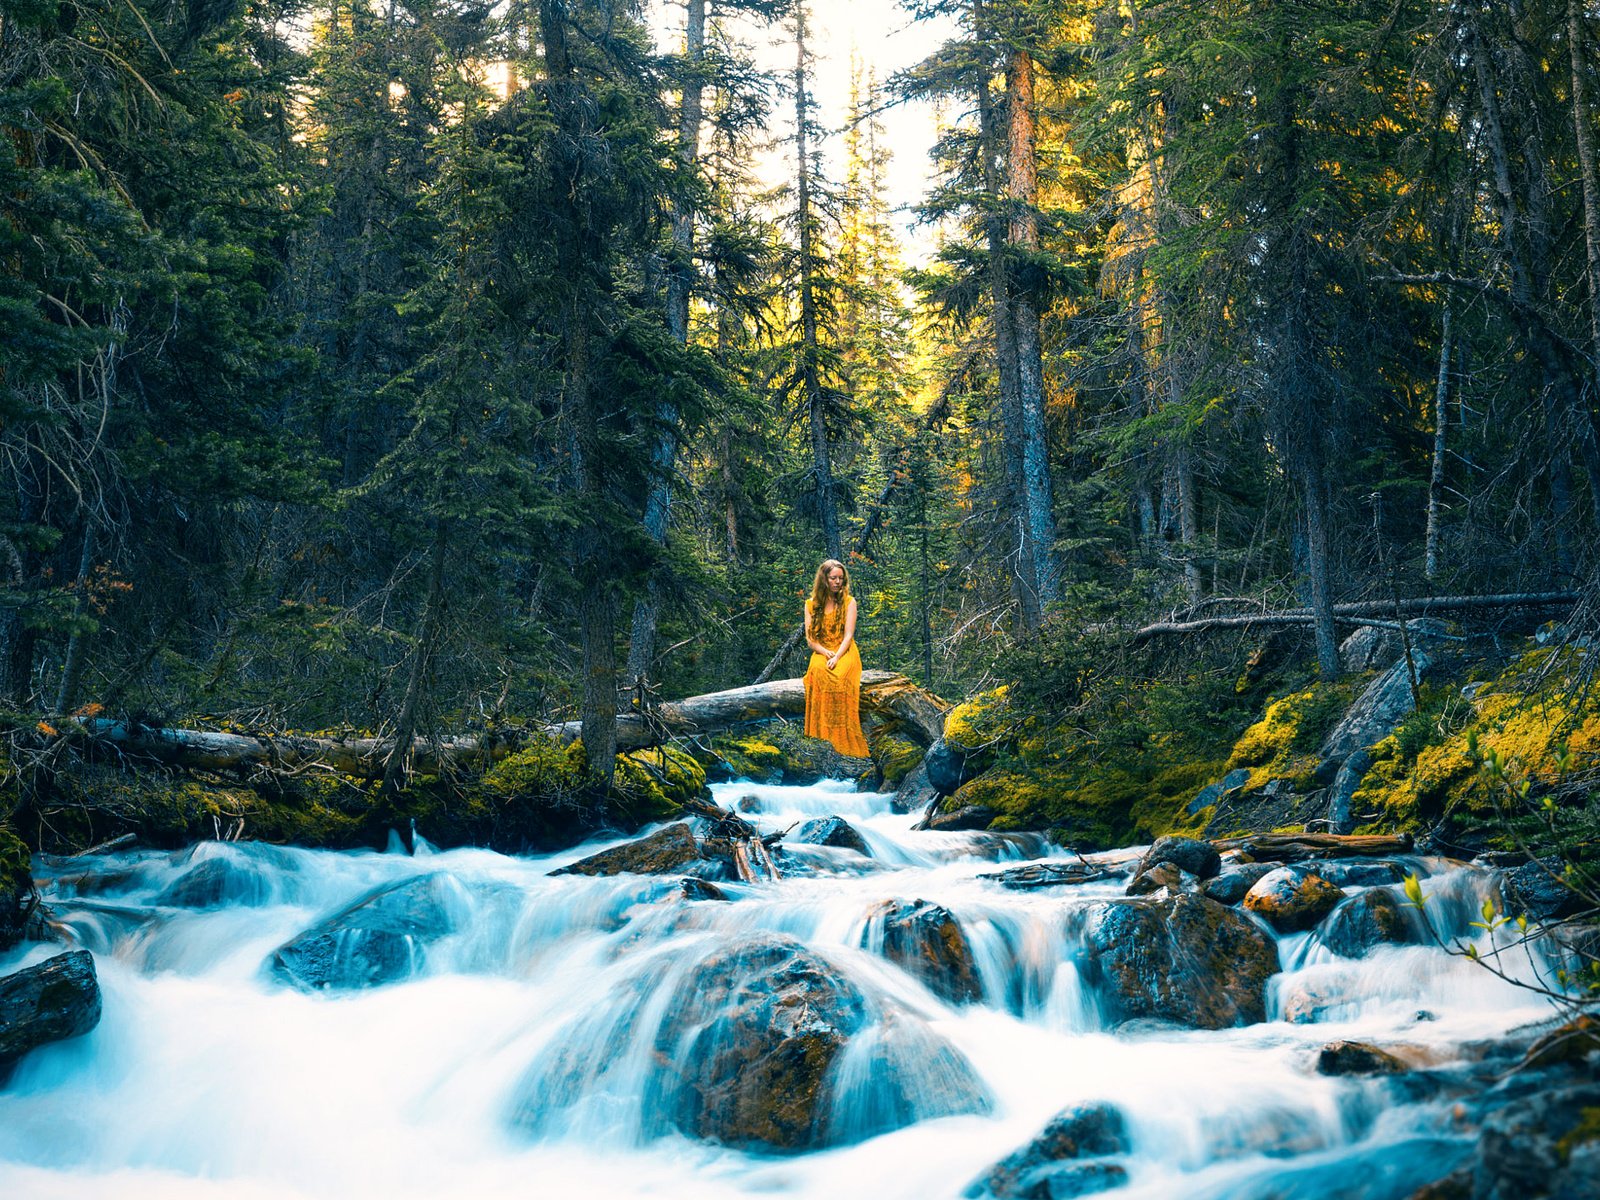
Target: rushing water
{"points": [[518, 1059]]}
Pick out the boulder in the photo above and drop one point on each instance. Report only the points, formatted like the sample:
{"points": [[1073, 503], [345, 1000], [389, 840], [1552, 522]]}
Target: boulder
{"points": [[217, 883], [1165, 877], [916, 791], [1341, 818], [973, 816], [55, 1000], [1385, 702], [1056, 874], [831, 831], [1232, 885], [1357, 1058], [1066, 1159], [948, 766], [692, 888], [665, 852], [1311, 1001], [1537, 889], [1186, 959], [751, 1037], [1215, 793], [1367, 919], [380, 939], [1361, 872], [1545, 1145], [926, 940], [1291, 898], [1200, 859]]}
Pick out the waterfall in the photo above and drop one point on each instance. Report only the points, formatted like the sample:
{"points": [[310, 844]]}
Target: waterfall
{"points": [[297, 1024]]}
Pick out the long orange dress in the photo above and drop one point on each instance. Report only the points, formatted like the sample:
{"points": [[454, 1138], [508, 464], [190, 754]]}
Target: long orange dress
{"points": [[833, 698]]}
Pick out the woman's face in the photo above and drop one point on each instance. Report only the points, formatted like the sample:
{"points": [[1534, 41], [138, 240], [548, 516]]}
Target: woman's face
{"points": [[836, 580]]}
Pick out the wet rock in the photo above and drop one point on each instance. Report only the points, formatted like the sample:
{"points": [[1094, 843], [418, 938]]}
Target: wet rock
{"points": [[1042, 875], [1572, 1041], [1357, 1058], [1292, 898], [898, 1072], [1200, 859], [1053, 1166], [665, 852], [973, 816], [1215, 793], [926, 940], [831, 831], [1231, 886], [948, 766], [1537, 890], [1367, 919], [916, 791], [1187, 959], [217, 882], [1164, 877], [55, 1000], [748, 803], [692, 888], [1543, 1145], [1361, 872], [752, 1035], [1309, 1002], [381, 939]]}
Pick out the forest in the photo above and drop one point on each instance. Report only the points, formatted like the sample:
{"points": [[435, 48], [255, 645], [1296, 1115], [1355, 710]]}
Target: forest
{"points": [[402, 367]]}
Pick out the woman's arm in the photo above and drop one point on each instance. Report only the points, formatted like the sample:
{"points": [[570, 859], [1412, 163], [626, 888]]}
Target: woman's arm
{"points": [[816, 646], [849, 634]]}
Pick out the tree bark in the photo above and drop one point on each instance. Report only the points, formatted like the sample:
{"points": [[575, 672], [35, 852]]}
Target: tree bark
{"points": [[77, 641], [1374, 609], [397, 764], [1582, 121], [1441, 423]]}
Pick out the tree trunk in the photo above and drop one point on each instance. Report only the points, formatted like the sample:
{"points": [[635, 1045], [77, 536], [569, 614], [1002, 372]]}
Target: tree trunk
{"points": [[1441, 423], [680, 283], [397, 765], [77, 641], [1022, 190], [810, 364], [1188, 522], [1316, 502]]}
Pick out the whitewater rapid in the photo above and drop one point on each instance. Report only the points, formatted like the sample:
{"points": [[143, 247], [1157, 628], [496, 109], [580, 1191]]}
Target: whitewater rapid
{"points": [[512, 1066]]}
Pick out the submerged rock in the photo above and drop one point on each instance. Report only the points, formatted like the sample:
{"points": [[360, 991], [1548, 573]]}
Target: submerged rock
{"points": [[665, 852], [751, 1037], [1186, 959], [1367, 919], [55, 1000], [927, 941], [1357, 1058], [831, 831], [381, 939], [691, 887], [1291, 898], [217, 882], [1052, 1165]]}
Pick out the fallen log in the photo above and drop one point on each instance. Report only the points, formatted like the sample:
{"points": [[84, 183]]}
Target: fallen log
{"points": [[1295, 847], [918, 713], [1345, 613]]}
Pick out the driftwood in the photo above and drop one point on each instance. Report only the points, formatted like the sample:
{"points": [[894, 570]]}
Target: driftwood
{"points": [[1042, 875], [916, 712], [1293, 847], [747, 849], [1346, 613]]}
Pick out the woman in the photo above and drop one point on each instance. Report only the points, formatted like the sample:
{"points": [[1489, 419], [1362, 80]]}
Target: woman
{"points": [[833, 680]]}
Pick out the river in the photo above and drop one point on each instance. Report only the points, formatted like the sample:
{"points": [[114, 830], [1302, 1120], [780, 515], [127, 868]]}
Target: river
{"points": [[518, 1060]]}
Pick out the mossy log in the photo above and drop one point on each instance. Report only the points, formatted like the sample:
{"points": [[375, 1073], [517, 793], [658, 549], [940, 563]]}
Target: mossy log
{"points": [[918, 714], [1293, 847]]}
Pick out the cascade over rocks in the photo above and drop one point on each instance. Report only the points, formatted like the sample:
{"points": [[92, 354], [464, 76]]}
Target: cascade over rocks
{"points": [[1367, 919], [831, 831], [1357, 1058], [1200, 859], [381, 939], [215, 882], [1066, 1159], [55, 1000], [1291, 899], [1231, 886], [752, 1040], [667, 851], [927, 941], [1186, 959]]}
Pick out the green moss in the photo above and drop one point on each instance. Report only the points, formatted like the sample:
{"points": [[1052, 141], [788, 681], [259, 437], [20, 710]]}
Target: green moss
{"points": [[1284, 743], [895, 758], [985, 720], [16, 882], [657, 783], [542, 768], [1585, 1131], [749, 756]]}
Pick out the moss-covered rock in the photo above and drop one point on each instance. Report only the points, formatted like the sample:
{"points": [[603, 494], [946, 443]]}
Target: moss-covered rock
{"points": [[16, 884], [986, 720], [753, 756], [1283, 744], [895, 758]]}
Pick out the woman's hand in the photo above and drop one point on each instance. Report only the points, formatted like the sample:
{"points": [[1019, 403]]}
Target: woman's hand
{"points": [[833, 660]]}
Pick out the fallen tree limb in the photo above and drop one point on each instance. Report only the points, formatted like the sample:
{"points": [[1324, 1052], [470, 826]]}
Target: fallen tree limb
{"points": [[1293, 847], [1348, 613], [918, 713]]}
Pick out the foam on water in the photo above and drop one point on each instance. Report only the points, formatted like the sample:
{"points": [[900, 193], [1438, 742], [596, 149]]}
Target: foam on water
{"points": [[525, 1057]]}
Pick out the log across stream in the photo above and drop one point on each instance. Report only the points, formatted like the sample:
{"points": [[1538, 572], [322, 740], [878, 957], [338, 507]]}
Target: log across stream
{"points": [[282, 1024]]}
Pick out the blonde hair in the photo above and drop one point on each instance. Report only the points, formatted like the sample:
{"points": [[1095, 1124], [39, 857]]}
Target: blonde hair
{"points": [[819, 589]]}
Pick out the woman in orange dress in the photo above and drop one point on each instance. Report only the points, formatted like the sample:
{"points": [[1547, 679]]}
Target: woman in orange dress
{"points": [[833, 680]]}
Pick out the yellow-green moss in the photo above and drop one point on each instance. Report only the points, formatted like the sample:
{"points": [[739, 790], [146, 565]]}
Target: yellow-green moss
{"points": [[895, 758], [658, 782], [1585, 1131], [985, 720], [1283, 744], [748, 756], [542, 768]]}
